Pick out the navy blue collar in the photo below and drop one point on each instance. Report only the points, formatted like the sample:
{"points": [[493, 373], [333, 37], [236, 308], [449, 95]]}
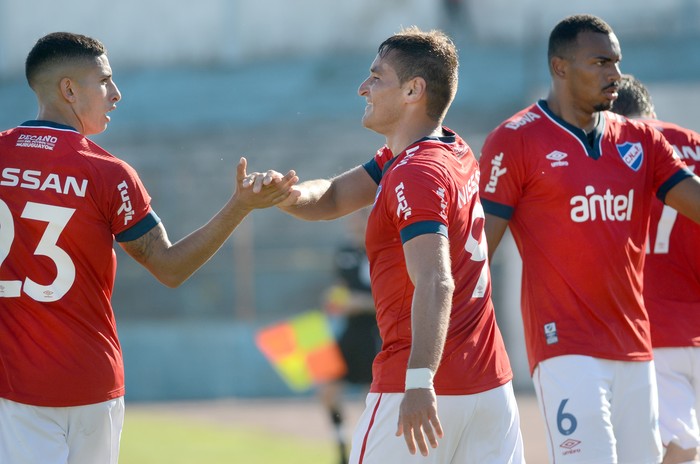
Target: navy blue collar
{"points": [[592, 149], [449, 138], [54, 125]]}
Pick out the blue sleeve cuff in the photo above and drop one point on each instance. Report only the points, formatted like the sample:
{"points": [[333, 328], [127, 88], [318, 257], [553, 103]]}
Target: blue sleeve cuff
{"points": [[373, 170], [672, 182], [497, 209], [139, 229], [421, 228]]}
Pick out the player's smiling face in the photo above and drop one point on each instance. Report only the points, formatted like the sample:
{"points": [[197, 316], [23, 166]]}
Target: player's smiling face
{"points": [[384, 96], [594, 71], [95, 95]]}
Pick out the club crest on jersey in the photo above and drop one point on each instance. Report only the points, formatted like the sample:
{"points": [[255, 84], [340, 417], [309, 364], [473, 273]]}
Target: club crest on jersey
{"points": [[632, 154]]}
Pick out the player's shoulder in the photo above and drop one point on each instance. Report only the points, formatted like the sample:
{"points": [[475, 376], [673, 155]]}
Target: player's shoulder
{"points": [[670, 128], [622, 127], [519, 125]]}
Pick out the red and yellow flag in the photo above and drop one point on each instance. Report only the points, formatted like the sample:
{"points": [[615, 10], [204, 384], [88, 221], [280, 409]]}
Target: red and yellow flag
{"points": [[302, 350]]}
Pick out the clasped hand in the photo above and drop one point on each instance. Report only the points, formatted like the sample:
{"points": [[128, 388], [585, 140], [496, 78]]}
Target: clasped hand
{"points": [[268, 189]]}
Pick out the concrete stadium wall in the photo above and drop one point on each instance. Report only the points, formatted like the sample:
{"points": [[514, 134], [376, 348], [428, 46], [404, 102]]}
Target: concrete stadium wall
{"points": [[148, 33], [533, 19], [154, 33]]}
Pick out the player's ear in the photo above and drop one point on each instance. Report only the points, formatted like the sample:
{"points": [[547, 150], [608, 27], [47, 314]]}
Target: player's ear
{"points": [[558, 66], [415, 89], [67, 89]]}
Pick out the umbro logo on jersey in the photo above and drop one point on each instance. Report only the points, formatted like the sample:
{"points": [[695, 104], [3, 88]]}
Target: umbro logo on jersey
{"points": [[557, 158], [571, 446], [632, 154]]}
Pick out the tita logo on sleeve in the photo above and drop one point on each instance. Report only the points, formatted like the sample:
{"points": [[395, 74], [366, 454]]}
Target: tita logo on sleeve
{"points": [[125, 207], [606, 207], [402, 208], [496, 172]]}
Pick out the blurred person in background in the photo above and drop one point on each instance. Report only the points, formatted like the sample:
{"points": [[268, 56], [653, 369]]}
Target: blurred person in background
{"points": [[63, 202], [671, 290], [575, 183], [442, 379], [349, 302]]}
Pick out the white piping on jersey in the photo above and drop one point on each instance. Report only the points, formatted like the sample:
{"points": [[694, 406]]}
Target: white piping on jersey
{"points": [[48, 127], [578, 139]]}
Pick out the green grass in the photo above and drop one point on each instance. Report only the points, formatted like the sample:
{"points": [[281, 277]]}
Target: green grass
{"points": [[152, 439]]}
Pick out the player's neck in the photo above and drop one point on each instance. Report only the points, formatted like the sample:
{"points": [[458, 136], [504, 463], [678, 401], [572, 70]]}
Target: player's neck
{"points": [[53, 114], [408, 134], [572, 113]]}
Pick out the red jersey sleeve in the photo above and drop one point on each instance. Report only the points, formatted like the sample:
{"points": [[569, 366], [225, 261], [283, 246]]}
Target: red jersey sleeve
{"points": [[503, 172], [669, 168], [418, 198]]}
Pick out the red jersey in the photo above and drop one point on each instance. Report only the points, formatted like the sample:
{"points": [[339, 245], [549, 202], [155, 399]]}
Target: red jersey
{"points": [[578, 206], [433, 187], [672, 268], [63, 199]]}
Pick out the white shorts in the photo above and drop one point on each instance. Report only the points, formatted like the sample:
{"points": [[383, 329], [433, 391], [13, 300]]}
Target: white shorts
{"points": [[678, 378], [598, 410], [73, 435], [478, 429]]}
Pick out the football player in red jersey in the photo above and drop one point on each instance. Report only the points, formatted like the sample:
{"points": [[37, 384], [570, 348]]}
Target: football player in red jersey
{"points": [[63, 202], [671, 290], [575, 183], [442, 375]]}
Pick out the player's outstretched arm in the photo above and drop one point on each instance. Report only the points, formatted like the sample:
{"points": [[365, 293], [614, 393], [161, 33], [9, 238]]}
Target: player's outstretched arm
{"points": [[172, 264], [684, 197], [428, 265], [322, 199]]}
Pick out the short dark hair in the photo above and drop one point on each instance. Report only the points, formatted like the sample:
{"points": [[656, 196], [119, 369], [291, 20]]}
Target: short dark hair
{"points": [[58, 47], [633, 98], [564, 34], [431, 55]]}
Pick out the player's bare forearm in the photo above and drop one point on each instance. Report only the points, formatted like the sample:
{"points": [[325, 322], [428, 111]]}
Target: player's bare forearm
{"points": [[315, 201], [326, 199], [173, 264], [428, 264], [430, 314]]}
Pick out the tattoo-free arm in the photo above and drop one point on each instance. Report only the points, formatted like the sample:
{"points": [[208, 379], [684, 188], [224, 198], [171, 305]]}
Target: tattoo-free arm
{"points": [[428, 264]]}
